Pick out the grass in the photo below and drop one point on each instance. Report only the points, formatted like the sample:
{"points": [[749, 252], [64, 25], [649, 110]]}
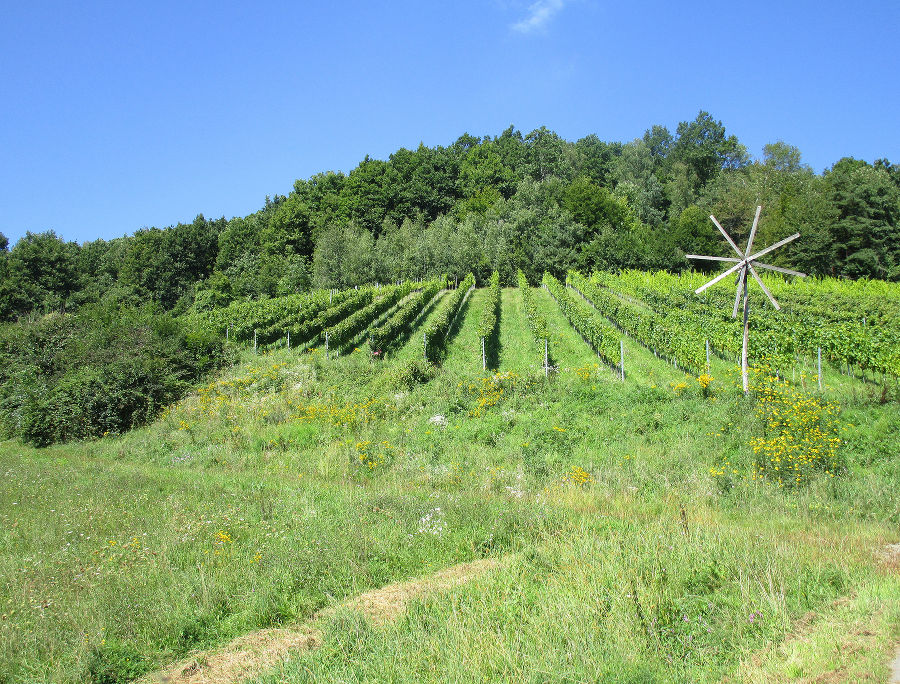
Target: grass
{"points": [[643, 548]]}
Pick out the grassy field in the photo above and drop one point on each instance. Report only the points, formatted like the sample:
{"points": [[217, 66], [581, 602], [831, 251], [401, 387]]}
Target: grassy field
{"points": [[641, 541]]}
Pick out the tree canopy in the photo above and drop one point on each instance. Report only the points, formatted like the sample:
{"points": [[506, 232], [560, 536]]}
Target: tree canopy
{"points": [[533, 201]]}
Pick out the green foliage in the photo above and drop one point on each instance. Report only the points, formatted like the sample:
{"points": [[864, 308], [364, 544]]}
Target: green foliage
{"points": [[115, 662], [853, 323], [344, 332], [414, 372], [487, 322], [866, 226], [343, 257], [597, 332], [382, 337], [665, 334], [103, 370], [163, 265], [537, 323], [302, 315], [439, 329], [532, 201], [39, 275]]}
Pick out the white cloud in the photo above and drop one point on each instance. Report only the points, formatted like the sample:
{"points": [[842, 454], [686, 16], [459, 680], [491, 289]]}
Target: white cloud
{"points": [[539, 13]]}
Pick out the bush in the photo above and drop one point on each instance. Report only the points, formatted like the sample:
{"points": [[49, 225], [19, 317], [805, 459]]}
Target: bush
{"points": [[115, 663], [104, 370]]}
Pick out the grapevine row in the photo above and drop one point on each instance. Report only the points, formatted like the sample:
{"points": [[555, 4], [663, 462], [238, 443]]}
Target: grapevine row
{"points": [[386, 333], [487, 324], [440, 327], [345, 331], [668, 336], [537, 323], [599, 334], [269, 318], [870, 342]]}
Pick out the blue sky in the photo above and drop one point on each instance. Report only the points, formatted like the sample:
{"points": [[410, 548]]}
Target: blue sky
{"points": [[118, 115]]}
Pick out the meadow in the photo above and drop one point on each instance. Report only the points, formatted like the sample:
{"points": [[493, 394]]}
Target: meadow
{"points": [[667, 528]]}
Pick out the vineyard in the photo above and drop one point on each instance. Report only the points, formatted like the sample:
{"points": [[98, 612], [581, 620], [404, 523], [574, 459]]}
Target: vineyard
{"points": [[853, 327], [585, 438]]}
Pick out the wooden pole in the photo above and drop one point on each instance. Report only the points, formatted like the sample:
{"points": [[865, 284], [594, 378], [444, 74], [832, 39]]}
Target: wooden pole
{"points": [[483, 356], [425, 345], [707, 357], [622, 358], [326, 344], [744, 370], [546, 359], [254, 340], [289, 339]]}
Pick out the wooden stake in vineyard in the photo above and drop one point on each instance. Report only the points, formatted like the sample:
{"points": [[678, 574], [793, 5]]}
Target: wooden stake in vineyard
{"points": [[745, 264]]}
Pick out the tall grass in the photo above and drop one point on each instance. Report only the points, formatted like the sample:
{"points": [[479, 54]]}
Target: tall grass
{"points": [[645, 548]]}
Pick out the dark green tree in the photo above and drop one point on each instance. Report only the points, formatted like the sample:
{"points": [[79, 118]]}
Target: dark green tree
{"points": [[40, 275], [866, 225]]}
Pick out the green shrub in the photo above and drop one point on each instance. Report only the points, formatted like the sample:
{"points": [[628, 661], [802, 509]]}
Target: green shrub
{"points": [[115, 662], [103, 370]]}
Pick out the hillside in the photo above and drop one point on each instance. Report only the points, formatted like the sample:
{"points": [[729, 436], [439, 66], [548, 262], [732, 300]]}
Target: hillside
{"points": [[643, 530], [532, 201]]}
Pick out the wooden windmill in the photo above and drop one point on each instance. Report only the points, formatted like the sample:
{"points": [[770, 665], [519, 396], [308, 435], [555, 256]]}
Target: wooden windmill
{"points": [[745, 263]]}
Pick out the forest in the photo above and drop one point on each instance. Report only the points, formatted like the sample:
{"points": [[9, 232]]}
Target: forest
{"points": [[532, 201]]}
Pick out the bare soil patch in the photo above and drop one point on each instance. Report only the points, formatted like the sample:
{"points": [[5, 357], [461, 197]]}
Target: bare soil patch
{"points": [[253, 653]]}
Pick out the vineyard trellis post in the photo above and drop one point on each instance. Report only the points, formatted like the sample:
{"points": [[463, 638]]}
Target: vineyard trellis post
{"points": [[744, 265], [819, 376], [546, 358], [622, 358], [483, 356]]}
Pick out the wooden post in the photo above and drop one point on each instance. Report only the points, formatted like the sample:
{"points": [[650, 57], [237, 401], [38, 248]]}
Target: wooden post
{"points": [[227, 331], [289, 339], [254, 340], [820, 369], [326, 344], [483, 356], [622, 358], [744, 370], [546, 358], [425, 345], [707, 357]]}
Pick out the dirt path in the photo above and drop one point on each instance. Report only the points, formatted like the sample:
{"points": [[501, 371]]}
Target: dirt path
{"points": [[848, 640], [252, 654]]}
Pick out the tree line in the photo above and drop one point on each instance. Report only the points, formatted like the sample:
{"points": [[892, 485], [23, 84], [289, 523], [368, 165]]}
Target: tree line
{"points": [[534, 202]]}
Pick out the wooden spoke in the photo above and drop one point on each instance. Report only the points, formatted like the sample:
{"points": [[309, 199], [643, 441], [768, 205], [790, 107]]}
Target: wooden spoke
{"points": [[719, 277], [752, 232], [741, 286], [711, 258], [764, 288], [774, 247], [727, 236], [779, 269]]}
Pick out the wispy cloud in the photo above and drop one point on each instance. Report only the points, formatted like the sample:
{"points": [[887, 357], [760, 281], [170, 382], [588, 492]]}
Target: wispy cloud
{"points": [[539, 13]]}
